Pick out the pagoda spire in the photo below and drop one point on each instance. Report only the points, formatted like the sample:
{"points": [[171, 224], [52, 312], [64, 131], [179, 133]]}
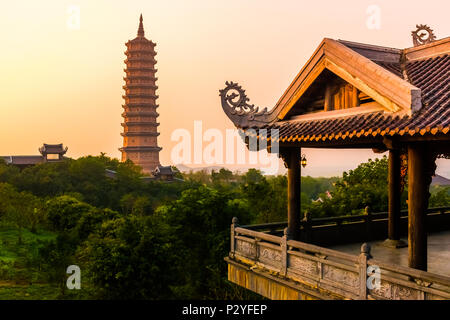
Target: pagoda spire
{"points": [[140, 32]]}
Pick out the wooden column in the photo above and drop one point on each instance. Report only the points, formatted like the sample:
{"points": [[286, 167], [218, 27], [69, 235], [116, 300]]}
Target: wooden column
{"points": [[420, 169], [394, 176], [328, 103], [291, 156]]}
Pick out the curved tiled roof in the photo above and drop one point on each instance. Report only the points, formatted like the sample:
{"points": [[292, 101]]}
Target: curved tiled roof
{"points": [[431, 75]]}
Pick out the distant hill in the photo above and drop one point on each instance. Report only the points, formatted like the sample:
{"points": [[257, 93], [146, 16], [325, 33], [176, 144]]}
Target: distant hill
{"points": [[186, 169], [440, 181]]}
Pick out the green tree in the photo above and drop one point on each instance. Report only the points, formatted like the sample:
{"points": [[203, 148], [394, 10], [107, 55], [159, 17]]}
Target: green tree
{"points": [[201, 220], [55, 256], [8, 173], [91, 221], [440, 196], [364, 186], [64, 212], [131, 258], [20, 209]]}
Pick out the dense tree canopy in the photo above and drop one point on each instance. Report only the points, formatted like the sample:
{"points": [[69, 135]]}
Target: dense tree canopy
{"points": [[153, 240]]}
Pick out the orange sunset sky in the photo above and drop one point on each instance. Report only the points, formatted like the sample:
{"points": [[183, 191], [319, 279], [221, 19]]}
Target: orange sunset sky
{"points": [[63, 84]]}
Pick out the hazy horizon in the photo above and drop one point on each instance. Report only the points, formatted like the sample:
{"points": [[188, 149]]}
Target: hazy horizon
{"points": [[63, 85]]}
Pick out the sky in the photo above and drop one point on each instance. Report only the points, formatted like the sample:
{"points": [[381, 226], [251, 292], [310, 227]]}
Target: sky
{"points": [[62, 82]]}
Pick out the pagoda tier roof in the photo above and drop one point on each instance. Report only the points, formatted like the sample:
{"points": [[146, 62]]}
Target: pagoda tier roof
{"points": [[140, 95], [131, 69], [140, 59], [140, 113], [409, 88], [138, 85], [131, 77], [140, 65], [140, 105], [142, 40], [140, 149], [137, 123], [146, 51], [140, 133]]}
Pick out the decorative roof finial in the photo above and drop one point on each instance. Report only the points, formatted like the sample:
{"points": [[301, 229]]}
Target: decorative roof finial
{"points": [[423, 35], [236, 107], [140, 32]]}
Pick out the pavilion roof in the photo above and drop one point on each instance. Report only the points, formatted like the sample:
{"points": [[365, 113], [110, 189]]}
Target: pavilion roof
{"points": [[410, 88], [164, 170], [53, 149]]}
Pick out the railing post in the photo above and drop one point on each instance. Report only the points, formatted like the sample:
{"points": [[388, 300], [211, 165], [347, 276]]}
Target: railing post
{"points": [[307, 226], [363, 257], [368, 214], [256, 256], [284, 255], [234, 224]]}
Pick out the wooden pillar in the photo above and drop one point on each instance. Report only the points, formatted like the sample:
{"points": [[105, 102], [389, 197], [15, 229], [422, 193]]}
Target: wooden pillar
{"points": [[394, 177], [355, 97], [420, 169], [328, 104], [291, 156]]}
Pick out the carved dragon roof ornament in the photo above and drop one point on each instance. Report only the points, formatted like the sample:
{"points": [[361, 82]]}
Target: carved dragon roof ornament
{"points": [[236, 107], [423, 35]]}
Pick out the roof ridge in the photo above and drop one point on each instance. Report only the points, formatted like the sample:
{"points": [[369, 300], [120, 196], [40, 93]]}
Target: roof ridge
{"points": [[403, 63], [369, 46]]}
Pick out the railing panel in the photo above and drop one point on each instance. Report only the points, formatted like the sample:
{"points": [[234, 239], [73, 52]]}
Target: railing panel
{"points": [[393, 291], [336, 272], [300, 265], [341, 276], [269, 255], [245, 247]]}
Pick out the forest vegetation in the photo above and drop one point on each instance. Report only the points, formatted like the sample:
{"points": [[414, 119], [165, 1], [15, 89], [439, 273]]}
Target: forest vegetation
{"points": [[134, 239]]}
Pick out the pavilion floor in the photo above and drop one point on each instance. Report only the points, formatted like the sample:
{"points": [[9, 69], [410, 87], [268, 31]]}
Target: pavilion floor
{"points": [[438, 252]]}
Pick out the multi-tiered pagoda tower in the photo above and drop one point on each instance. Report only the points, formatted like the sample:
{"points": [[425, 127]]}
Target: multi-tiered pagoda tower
{"points": [[140, 134]]}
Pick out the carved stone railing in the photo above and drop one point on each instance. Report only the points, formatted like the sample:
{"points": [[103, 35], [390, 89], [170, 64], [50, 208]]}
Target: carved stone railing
{"points": [[347, 229], [339, 274]]}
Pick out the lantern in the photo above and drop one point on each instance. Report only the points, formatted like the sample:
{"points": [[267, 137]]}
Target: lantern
{"points": [[303, 161]]}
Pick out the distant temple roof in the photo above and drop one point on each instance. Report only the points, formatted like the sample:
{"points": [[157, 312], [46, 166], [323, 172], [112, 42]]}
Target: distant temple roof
{"points": [[46, 149], [52, 149], [23, 160], [163, 170]]}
